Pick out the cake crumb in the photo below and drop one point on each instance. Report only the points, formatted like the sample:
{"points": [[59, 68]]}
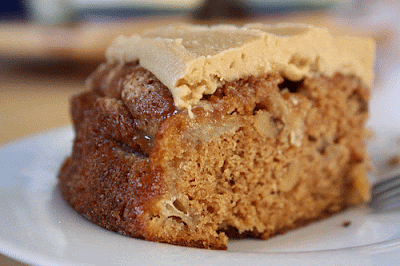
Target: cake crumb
{"points": [[394, 160], [346, 224]]}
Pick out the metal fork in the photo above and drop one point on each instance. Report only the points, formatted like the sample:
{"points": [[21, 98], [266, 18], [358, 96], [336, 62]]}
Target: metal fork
{"points": [[386, 194]]}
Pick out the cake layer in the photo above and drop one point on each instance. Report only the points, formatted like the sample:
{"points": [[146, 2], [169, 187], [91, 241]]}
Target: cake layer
{"points": [[190, 135], [260, 156], [195, 60]]}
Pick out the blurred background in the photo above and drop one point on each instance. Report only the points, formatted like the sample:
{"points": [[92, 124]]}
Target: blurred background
{"points": [[49, 47]]}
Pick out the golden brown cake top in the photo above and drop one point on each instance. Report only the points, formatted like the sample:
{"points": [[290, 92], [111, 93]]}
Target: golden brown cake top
{"points": [[194, 60]]}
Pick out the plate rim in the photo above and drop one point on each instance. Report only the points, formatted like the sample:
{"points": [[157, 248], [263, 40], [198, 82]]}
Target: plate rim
{"points": [[26, 255]]}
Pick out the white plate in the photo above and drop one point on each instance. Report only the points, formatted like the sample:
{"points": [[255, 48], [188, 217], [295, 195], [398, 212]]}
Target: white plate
{"points": [[37, 226]]}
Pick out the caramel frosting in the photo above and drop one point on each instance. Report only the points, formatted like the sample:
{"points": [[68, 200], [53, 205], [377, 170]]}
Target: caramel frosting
{"points": [[195, 60]]}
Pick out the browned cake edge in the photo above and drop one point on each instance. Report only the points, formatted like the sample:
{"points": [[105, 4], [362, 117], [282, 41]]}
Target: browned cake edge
{"points": [[127, 129]]}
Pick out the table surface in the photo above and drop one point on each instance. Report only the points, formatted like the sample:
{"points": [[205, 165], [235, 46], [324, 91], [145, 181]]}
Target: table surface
{"points": [[34, 95]]}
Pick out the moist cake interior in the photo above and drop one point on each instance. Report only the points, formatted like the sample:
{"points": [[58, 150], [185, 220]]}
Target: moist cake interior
{"points": [[259, 156]]}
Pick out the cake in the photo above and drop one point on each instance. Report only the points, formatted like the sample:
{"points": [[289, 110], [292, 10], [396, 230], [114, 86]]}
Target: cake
{"points": [[191, 135]]}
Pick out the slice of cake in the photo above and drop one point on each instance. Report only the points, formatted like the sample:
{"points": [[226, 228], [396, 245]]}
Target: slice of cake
{"points": [[190, 135]]}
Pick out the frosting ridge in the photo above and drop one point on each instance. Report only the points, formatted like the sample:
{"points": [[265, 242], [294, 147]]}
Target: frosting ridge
{"points": [[195, 60]]}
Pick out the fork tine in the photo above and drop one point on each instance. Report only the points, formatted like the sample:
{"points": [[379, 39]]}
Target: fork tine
{"points": [[386, 194], [387, 185], [387, 203]]}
